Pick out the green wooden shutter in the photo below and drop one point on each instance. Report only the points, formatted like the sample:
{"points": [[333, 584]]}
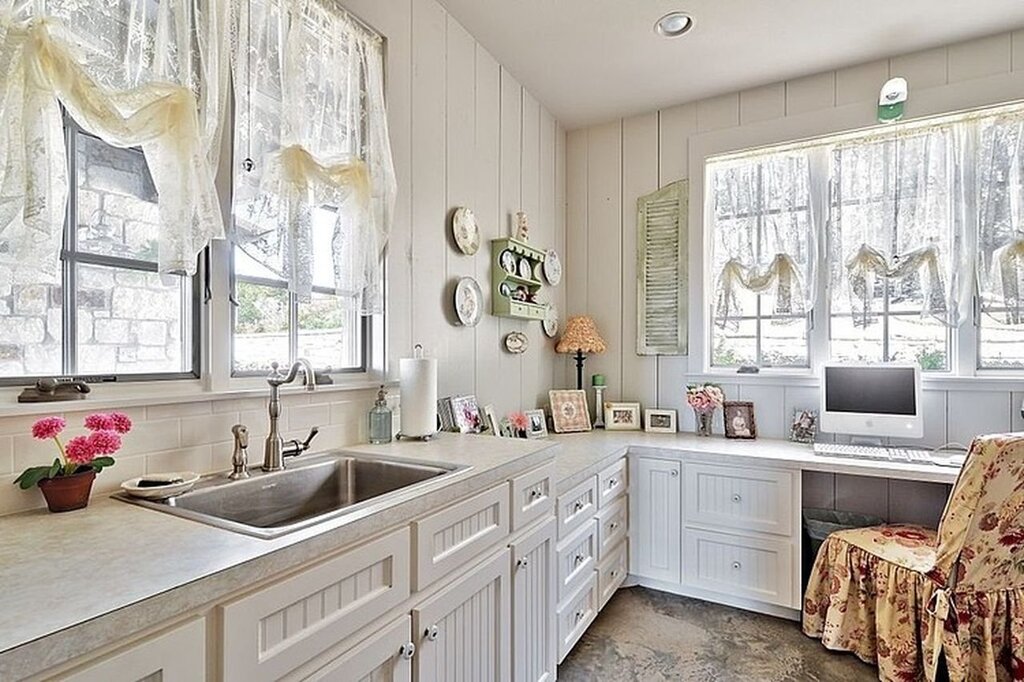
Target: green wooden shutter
{"points": [[662, 324]]}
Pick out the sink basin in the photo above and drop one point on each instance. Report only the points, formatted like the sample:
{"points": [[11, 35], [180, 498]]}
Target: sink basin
{"points": [[309, 491]]}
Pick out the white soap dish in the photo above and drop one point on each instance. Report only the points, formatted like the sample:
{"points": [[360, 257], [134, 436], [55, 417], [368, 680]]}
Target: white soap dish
{"points": [[160, 485]]}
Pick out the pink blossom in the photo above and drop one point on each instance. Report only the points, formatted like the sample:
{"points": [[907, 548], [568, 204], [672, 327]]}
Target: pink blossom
{"points": [[48, 427], [122, 422], [99, 422], [519, 421], [80, 450], [104, 442]]}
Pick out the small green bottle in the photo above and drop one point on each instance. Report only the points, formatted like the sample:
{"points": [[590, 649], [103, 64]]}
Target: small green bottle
{"points": [[380, 419]]}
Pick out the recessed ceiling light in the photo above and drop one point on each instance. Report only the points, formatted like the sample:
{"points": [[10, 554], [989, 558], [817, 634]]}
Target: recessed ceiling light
{"points": [[673, 24]]}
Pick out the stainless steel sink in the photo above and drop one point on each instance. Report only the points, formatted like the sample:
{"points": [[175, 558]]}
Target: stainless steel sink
{"points": [[323, 487]]}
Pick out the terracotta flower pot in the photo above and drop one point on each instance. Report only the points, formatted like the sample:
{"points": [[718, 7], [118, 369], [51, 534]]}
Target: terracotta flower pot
{"points": [[67, 493]]}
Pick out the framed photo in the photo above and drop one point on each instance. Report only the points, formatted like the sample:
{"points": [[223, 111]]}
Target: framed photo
{"points": [[538, 424], [804, 428], [466, 415], [569, 411], [660, 421], [739, 419], [491, 420], [622, 416]]}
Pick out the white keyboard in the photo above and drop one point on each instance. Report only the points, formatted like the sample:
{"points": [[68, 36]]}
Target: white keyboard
{"points": [[874, 452]]}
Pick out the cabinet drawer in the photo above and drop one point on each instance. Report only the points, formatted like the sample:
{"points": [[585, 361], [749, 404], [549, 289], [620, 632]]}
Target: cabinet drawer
{"points": [[386, 656], [577, 559], [532, 496], [746, 499], [612, 526], [449, 538], [612, 482], [157, 658], [577, 506], [271, 632], [749, 567], [612, 573], [576, 615]]}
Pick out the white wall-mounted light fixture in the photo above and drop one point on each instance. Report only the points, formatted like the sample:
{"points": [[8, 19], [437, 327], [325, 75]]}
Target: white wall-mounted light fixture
{"points": [[673, 24]]}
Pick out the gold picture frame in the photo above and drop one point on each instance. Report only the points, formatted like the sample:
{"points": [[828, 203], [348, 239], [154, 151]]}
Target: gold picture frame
{"points": [[569, 411]]}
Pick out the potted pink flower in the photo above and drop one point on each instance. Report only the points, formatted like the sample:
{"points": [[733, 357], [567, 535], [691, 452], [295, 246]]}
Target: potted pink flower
{"points": [[67, 483], [704, 399]]}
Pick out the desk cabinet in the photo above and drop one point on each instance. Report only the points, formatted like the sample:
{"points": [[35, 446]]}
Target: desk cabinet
{"points": [[658, 532]]}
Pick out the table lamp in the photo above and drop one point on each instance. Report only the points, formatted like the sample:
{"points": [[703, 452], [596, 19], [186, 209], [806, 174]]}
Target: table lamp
{"points": [[580, 337]]}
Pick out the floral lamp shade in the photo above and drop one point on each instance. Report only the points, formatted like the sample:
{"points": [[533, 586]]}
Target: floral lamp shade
{"points": [[581, 337]]}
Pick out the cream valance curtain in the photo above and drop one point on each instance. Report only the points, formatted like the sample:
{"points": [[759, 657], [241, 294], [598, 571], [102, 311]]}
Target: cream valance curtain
{"points": [[147, 73], [311, 145], [764, 234]]}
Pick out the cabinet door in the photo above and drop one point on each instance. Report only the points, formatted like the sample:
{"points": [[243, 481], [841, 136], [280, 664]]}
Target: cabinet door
{"points": [[384, 657], [178, 655], [463, 631], [659, 519], [534, 631]]}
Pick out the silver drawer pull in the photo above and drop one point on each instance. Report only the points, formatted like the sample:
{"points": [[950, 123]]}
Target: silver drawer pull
{"points": [[578, 506], [408, 650], [579, 616], [613, 525], [578, 559], [675, 472], [737, 497], [432, 633], [523, 563], [614, 574], [534, 494], [612, 482], [736, 565]]}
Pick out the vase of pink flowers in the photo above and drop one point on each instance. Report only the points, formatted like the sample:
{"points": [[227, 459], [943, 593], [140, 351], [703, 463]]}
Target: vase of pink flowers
{"points": [[67, 482], [704, 399]]}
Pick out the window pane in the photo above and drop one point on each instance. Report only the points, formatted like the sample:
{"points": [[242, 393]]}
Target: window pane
{"points": [[735, 346], [924, 339], [131, 322], [784, 343], [328, 334], [30, 328], [1001, 343], [855, 342], [261, 327], [117, 201]]}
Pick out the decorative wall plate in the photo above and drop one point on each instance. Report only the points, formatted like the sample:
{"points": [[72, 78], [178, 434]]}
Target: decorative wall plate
{"points": [[551, 322], [508, 262], [469, 301], [466, 231], [525, 269], [517, 342], [505, 289], [552, 267]]}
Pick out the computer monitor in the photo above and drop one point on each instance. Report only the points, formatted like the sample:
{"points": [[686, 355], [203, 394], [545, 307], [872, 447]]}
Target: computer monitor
{"points": [[872, 400]]}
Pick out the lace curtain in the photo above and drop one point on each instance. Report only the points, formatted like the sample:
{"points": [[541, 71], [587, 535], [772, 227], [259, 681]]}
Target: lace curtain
{"points": [[1000, 196], [312, 130], [764, 235], [148, 73], [890, 231]]}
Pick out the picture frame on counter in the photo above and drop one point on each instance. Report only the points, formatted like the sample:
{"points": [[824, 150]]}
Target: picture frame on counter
{"points": [[569, 411], [738, 418], [466, 416], [538, 424], [804, 428], [491, 421], [622, 416], [661, 421]]}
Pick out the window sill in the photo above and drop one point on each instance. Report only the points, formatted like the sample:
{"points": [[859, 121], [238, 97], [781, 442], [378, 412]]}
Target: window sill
{"points": [[983, 381], [124, 396]]}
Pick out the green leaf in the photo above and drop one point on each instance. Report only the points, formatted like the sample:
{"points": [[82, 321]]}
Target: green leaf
{"points": [[54, 469], [101, 462], [31, 477]]}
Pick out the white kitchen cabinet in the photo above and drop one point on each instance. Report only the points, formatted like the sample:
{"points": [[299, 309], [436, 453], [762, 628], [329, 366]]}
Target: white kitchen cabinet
{"points": [[178, 655], [577, 559], [658, 524], [463, 632], [612, 482], [534, 594], [577, 506], [612, 526], [576, 615], [612, 573], [384, 657], [532, 496], [741, 566], [743, 498]]}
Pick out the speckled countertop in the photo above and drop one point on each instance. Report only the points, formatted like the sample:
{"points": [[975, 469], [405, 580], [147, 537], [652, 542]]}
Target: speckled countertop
{"points": [[76, 582]]}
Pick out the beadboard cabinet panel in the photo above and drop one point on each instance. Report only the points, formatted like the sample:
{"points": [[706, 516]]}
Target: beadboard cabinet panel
{"points": [[659, 522], [158, 659], [534, 596], [384, 657]]}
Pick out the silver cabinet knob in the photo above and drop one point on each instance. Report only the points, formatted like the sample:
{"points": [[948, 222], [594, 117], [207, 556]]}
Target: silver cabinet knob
{"points": [[612, 482], [614, 574], [534, 494], [675, 472], [578, 559], [737, 497], [579, 616], [736, 565], [408, 650], [523, 563], [432, 633], [578, 506]]}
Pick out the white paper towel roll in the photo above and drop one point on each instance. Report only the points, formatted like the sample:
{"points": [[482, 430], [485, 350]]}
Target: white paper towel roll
{"points": [[418, 377]]}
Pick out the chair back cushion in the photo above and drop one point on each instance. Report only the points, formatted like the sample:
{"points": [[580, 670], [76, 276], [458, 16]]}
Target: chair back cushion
{"points": [[981, 535]]}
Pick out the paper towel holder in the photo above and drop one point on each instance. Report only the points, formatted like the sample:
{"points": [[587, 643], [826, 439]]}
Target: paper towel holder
{"points": [[417, 354]]}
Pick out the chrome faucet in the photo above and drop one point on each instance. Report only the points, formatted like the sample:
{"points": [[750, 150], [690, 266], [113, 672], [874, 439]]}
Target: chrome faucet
{"points": [[275, 449]]}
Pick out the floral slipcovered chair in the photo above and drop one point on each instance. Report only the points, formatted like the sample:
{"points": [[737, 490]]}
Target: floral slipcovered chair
{"points": [[900, 595]]}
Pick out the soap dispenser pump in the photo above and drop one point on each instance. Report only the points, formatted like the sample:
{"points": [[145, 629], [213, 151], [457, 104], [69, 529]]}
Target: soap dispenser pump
{"points": [[380, 419]]}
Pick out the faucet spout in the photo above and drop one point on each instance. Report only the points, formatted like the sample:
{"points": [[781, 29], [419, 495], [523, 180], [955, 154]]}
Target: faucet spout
{"points": [[273, 449]]}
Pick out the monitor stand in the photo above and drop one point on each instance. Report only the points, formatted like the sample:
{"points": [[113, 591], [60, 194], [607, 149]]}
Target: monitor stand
{"points": [[867, 441]]}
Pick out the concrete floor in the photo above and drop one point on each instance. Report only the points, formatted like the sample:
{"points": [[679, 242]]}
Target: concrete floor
{"points": [[647, 635]]}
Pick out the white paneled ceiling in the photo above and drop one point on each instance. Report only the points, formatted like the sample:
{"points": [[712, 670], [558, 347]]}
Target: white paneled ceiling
{"points": [[594, 60]]}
